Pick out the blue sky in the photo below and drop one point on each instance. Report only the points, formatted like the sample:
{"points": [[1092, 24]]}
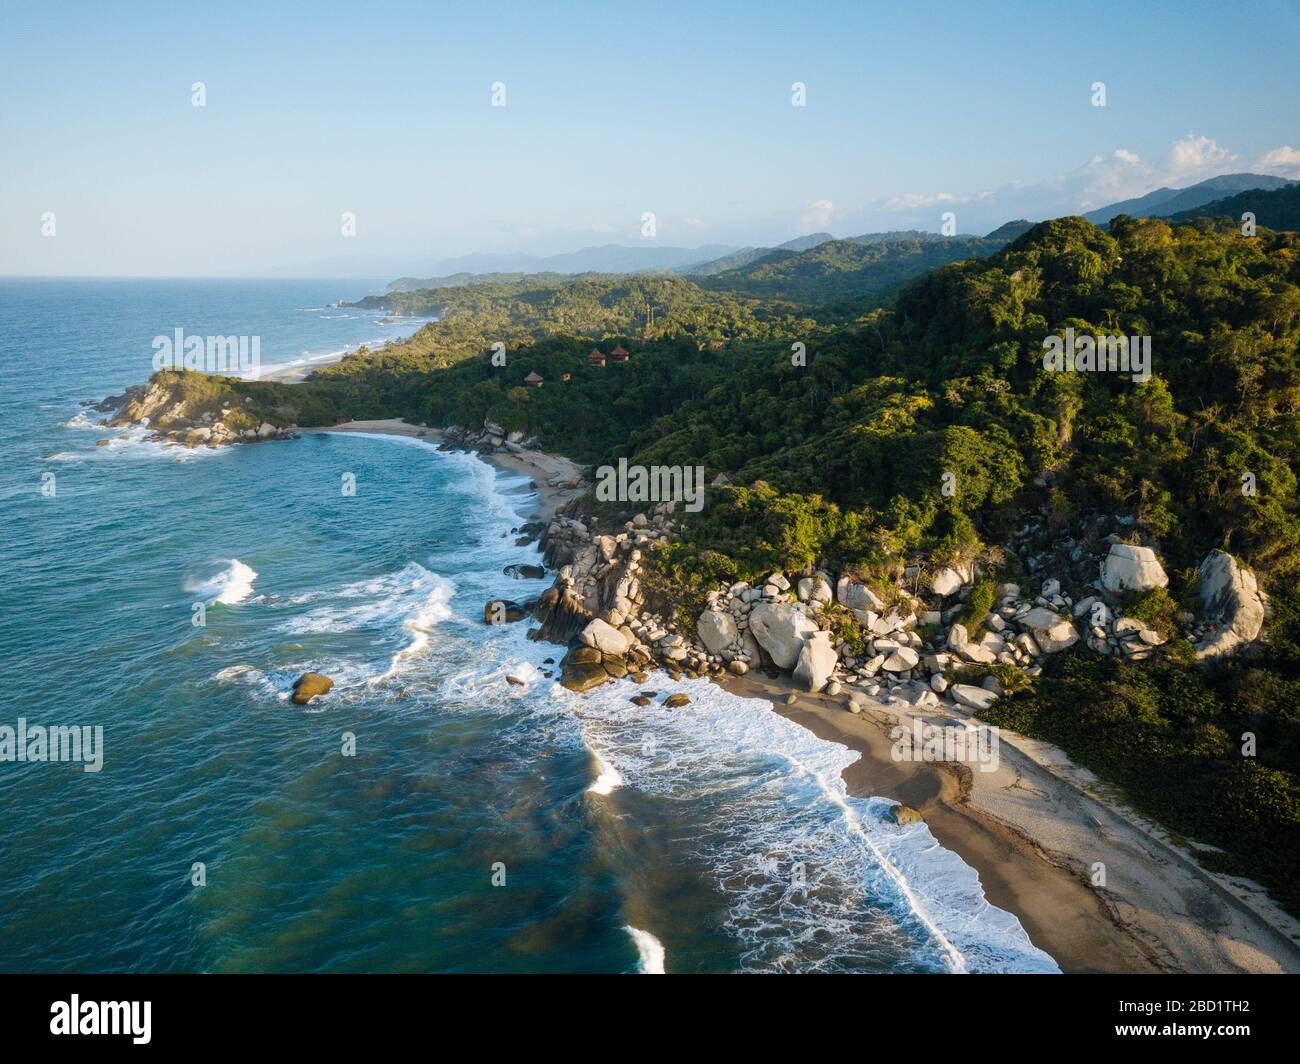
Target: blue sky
{"points": [[611, 110]]}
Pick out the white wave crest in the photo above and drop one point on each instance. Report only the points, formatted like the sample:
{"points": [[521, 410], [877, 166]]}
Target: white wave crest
{"points": [[650, 951], [233, 584]]}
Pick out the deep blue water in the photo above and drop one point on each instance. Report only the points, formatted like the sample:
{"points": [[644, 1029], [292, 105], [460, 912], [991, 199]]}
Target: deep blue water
{"points": [[721, 835]]}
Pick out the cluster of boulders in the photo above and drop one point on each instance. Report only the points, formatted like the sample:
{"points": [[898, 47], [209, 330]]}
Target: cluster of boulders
{"points": [[490, 439], [924, 635], [163, 407]]}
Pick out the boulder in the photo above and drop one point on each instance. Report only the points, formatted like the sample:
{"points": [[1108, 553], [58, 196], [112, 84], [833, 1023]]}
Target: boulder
{"points": [[1051, 631], [581, 669], [816, 662], [901, 660], [780, 630], [945, 582], [1129, 568], [604, 637], [308, 686], [1230, 596], [525, 572], [676, 701], [903, 815], [857, 596], [972, 697], [717, 631], [501, 611]]}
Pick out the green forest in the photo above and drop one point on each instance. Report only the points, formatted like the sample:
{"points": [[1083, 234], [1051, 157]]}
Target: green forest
{"points": [[834, 414]]}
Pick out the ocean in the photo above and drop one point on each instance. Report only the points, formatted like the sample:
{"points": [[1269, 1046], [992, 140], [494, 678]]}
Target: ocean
{"points": [[426, 815]]}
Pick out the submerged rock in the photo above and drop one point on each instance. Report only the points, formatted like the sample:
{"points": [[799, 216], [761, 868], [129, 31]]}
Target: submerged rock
{"points": [[904, 815], [501, 611], [308, 686], [525, 572]]}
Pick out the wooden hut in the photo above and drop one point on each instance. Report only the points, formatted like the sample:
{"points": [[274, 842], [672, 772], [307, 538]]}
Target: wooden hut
{"points": [[532, 381], [596, 358]]}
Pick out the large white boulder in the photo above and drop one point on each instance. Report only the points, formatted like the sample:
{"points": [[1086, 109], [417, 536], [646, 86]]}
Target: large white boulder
{"points": [[781, 630], [717, 631], [1231, 599], [945, 582], [816, 662], [857, 596], [901, 660], [1129, 568], [814, 589], [604, 637], [1050, 630], [1230, 595]]}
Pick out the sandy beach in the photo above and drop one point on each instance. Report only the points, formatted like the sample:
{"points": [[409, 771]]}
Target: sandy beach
{"points": [[1035, 829]]}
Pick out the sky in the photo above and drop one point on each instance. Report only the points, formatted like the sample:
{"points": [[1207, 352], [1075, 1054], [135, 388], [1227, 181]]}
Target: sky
{"points": [[385, 111]]}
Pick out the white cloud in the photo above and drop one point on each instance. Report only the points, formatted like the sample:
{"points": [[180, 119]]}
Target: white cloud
{"points": [[1197, 158], [818, 214], [1103, 179], [1284, 161]]}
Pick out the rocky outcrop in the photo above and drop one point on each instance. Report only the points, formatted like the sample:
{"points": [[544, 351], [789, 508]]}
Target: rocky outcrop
{"points": [[163, 406], [308, 686]]}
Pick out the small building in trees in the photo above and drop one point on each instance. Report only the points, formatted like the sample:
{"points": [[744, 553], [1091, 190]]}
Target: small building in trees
{"points": [[532, 381], [618, 354], [596, 358]]}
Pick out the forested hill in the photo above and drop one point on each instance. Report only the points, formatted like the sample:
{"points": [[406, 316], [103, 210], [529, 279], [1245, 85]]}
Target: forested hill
{"points": [[840, 270], [1278, 209]]}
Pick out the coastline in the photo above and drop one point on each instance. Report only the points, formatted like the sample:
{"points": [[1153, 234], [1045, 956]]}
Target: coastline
{"points": [[552, 475], [1033, 834], [1032, 829]]}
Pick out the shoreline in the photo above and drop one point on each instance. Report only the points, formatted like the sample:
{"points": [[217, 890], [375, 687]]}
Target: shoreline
{"points": [[552, 475], [1033, 834], [1032, 830]]}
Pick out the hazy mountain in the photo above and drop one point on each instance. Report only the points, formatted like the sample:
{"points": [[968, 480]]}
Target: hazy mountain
{"points": [[1011, 230], [867, 267], [739, 259], [1166, 201], [609, 258]]}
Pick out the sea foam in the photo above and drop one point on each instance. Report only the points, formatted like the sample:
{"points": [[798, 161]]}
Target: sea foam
{"points": [[233, 584]]}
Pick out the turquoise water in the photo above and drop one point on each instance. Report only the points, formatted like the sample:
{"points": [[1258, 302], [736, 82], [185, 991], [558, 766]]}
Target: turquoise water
{"points": [[714, 839]]}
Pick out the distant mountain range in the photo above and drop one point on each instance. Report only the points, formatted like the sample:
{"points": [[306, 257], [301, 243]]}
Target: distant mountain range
{"points": [[609, 258], [1164, 202], [1275, 209], [868, 264]]}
